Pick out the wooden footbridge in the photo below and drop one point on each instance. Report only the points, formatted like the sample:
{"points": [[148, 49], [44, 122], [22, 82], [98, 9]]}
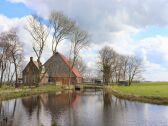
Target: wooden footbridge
{"points": [[89, 86]]}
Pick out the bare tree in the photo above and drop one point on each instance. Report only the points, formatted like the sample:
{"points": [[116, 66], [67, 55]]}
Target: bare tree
{"points": [[11, 53], [5, 56], [124, 60], [106, 60], [116, 67], [135, 68], [79, 40], [62, 26], [120, 67], [39, 32], [16, 53]]}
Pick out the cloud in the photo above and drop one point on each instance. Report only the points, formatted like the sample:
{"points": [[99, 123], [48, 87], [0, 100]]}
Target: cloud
{"points": [[18, 23], [135, 13], [110, 22]]}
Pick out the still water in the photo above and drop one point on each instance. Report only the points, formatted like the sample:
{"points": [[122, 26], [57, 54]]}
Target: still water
{"points": [[80, 109]]}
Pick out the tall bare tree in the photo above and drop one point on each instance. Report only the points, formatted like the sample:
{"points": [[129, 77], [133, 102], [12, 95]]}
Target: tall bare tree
{"points": [[79, 40], [4, 50], [13, 51], [39, 32], [16, 52], [62, 26]]}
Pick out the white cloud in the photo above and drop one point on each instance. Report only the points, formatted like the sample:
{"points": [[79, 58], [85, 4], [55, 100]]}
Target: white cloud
{"points": [[110, 22], [18, 23], [124, 45], [136, 13]]}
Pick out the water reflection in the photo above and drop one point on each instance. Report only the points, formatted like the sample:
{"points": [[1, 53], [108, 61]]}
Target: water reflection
{"points": [[107, 99], [30, 104], [80, 109]]}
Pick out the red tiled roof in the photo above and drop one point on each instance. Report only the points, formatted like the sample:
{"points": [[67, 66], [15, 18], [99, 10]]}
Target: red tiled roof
{"points": [[74, 69]]}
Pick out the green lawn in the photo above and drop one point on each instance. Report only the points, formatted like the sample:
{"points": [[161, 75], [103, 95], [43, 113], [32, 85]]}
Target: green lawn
{"points": [[156, 89], [9, 92]]}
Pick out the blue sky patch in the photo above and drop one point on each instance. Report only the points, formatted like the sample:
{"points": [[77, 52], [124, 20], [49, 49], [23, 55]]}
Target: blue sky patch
{"points": [[14, 9], [150, 31]]}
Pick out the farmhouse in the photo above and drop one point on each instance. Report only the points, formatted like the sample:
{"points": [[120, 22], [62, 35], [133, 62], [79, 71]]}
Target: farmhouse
{"points": [[57, 70], [32, 74]]}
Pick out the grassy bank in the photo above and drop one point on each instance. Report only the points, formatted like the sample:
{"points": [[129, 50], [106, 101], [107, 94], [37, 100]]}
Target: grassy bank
{"points": [[152, 92], [9, 92]]}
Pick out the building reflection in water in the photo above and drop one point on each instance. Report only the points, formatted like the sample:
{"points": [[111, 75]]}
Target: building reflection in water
{"points": [[79, 109], [59, 104], [31, 104], [33, 109]]}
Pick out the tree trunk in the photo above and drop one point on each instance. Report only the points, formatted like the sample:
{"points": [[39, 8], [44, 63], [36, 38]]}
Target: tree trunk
{"points": [[12, 77], [1, 78], [16, 73], [9, 69], [2, 75]]}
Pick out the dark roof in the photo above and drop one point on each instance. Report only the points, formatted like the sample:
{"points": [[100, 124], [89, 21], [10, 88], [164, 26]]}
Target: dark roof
{"points": [[67, 63], [35, 63]]}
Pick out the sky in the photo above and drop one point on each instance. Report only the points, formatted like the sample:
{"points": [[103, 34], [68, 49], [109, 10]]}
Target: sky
{"points": [[131, 27]]}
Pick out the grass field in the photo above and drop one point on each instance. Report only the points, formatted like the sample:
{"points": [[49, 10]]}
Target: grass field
{"points": [[156, 89], [9, 92]]}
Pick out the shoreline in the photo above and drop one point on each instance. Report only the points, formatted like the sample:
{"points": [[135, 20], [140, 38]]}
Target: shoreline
{"points": [[6, 94], [24, 92], [143, 99]]}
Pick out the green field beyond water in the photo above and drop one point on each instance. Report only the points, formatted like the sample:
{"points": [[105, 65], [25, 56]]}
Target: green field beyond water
{"points": [[156, 89]]}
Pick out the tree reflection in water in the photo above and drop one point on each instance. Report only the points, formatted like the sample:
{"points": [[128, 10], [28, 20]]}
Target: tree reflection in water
{"points": [[107, 99], [79, 109], [110, 101], [7, 112]]}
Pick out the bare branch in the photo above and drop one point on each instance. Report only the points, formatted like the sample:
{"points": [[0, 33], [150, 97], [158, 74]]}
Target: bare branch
{"points": [[62, 27]]}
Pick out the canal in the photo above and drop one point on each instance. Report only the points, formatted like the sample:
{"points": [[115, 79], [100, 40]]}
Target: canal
{"points": [[86, 108]]}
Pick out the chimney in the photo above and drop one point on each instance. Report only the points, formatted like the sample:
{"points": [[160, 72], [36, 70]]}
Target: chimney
{"points": [[31, 58]]}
